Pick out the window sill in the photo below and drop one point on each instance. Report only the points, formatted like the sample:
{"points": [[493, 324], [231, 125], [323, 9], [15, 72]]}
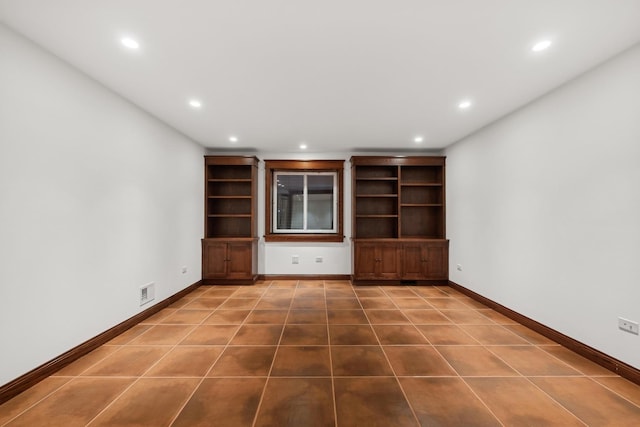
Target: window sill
{"points": [[303, 238]]}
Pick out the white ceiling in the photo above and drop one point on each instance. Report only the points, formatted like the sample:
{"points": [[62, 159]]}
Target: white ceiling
{"points": [[340, 75]]}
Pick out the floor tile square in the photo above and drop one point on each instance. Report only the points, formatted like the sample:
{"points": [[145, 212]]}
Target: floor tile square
{"points": [[493, 335], [186, 362], [302, 361], [227, 317], [352, 335], [515, 401], [308, 304], [85, 362], [204, 303], [211, 335], [305, 335], [576, 361], [399, 334], [150, 401], [531, 361], [75, 403], [231, 402], [278, 303], [530, 335], [347, 317], [239, 303], [415, 303], [475, 361], [345, 292], [426, 317], [163, 335], [387, 317], [129, 361], [417, 361], [447, 303], [590, 401], [296, 402], [371, 402], [243, 362], [318, 317], [446, 402], [343, 304], [273, 317], [378, 303], [359, 361], [446, 335], [257, 335], [467, 317], [29, 397]]}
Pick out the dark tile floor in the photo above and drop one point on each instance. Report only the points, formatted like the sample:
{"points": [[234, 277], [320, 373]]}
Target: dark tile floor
{"points": [[325, 353]]}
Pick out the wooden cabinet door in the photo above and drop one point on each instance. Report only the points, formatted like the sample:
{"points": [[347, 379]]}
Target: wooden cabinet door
{"points": [[239, 261], [365, 261], [414, 261], [214, 265], [387, 257], [422, 261], [437, 259]]}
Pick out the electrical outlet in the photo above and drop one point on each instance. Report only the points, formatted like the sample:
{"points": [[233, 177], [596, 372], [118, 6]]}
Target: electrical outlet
{"points": [[295, 259], [628, 325], [147, 293], [184, 270], [459, 267], [318, 259]]}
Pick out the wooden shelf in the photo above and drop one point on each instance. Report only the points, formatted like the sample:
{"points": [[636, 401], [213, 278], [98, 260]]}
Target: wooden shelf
{"points": [[398, 210], [229, 247]]}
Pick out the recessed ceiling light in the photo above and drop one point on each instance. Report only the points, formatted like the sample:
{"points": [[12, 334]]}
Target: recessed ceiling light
{"points": [[130, 43], [233, 139], [194, 103], [464, 104], [541, 45], [418, 139], [303, 146]]}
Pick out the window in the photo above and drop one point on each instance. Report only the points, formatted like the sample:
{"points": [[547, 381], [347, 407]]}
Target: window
{"points": [[304, 200]]}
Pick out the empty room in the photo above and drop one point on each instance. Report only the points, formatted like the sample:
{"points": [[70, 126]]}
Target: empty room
{"points": [[320, 213]]}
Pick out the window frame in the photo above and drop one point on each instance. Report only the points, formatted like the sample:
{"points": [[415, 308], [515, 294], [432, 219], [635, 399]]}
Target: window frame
{"points": [[303, 166]]}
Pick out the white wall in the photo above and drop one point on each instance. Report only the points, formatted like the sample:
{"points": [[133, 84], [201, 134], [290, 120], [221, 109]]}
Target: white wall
{"points": [[96, 199], [543, 208]]}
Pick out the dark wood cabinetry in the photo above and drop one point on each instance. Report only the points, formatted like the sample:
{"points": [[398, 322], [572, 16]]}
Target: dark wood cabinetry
{"points": [[424, 261], [399, 208], [377, 261], [229, 249]]}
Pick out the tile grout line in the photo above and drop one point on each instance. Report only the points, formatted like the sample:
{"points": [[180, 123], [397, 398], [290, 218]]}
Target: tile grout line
{"points": [[395, 376], [526, 378], [204, 377], [612, 390], [138, 378], [275, 355], [333, 382]]}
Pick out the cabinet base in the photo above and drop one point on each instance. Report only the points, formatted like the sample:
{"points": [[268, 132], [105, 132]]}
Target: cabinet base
{"points": [[383, 282], [211, 282]]}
